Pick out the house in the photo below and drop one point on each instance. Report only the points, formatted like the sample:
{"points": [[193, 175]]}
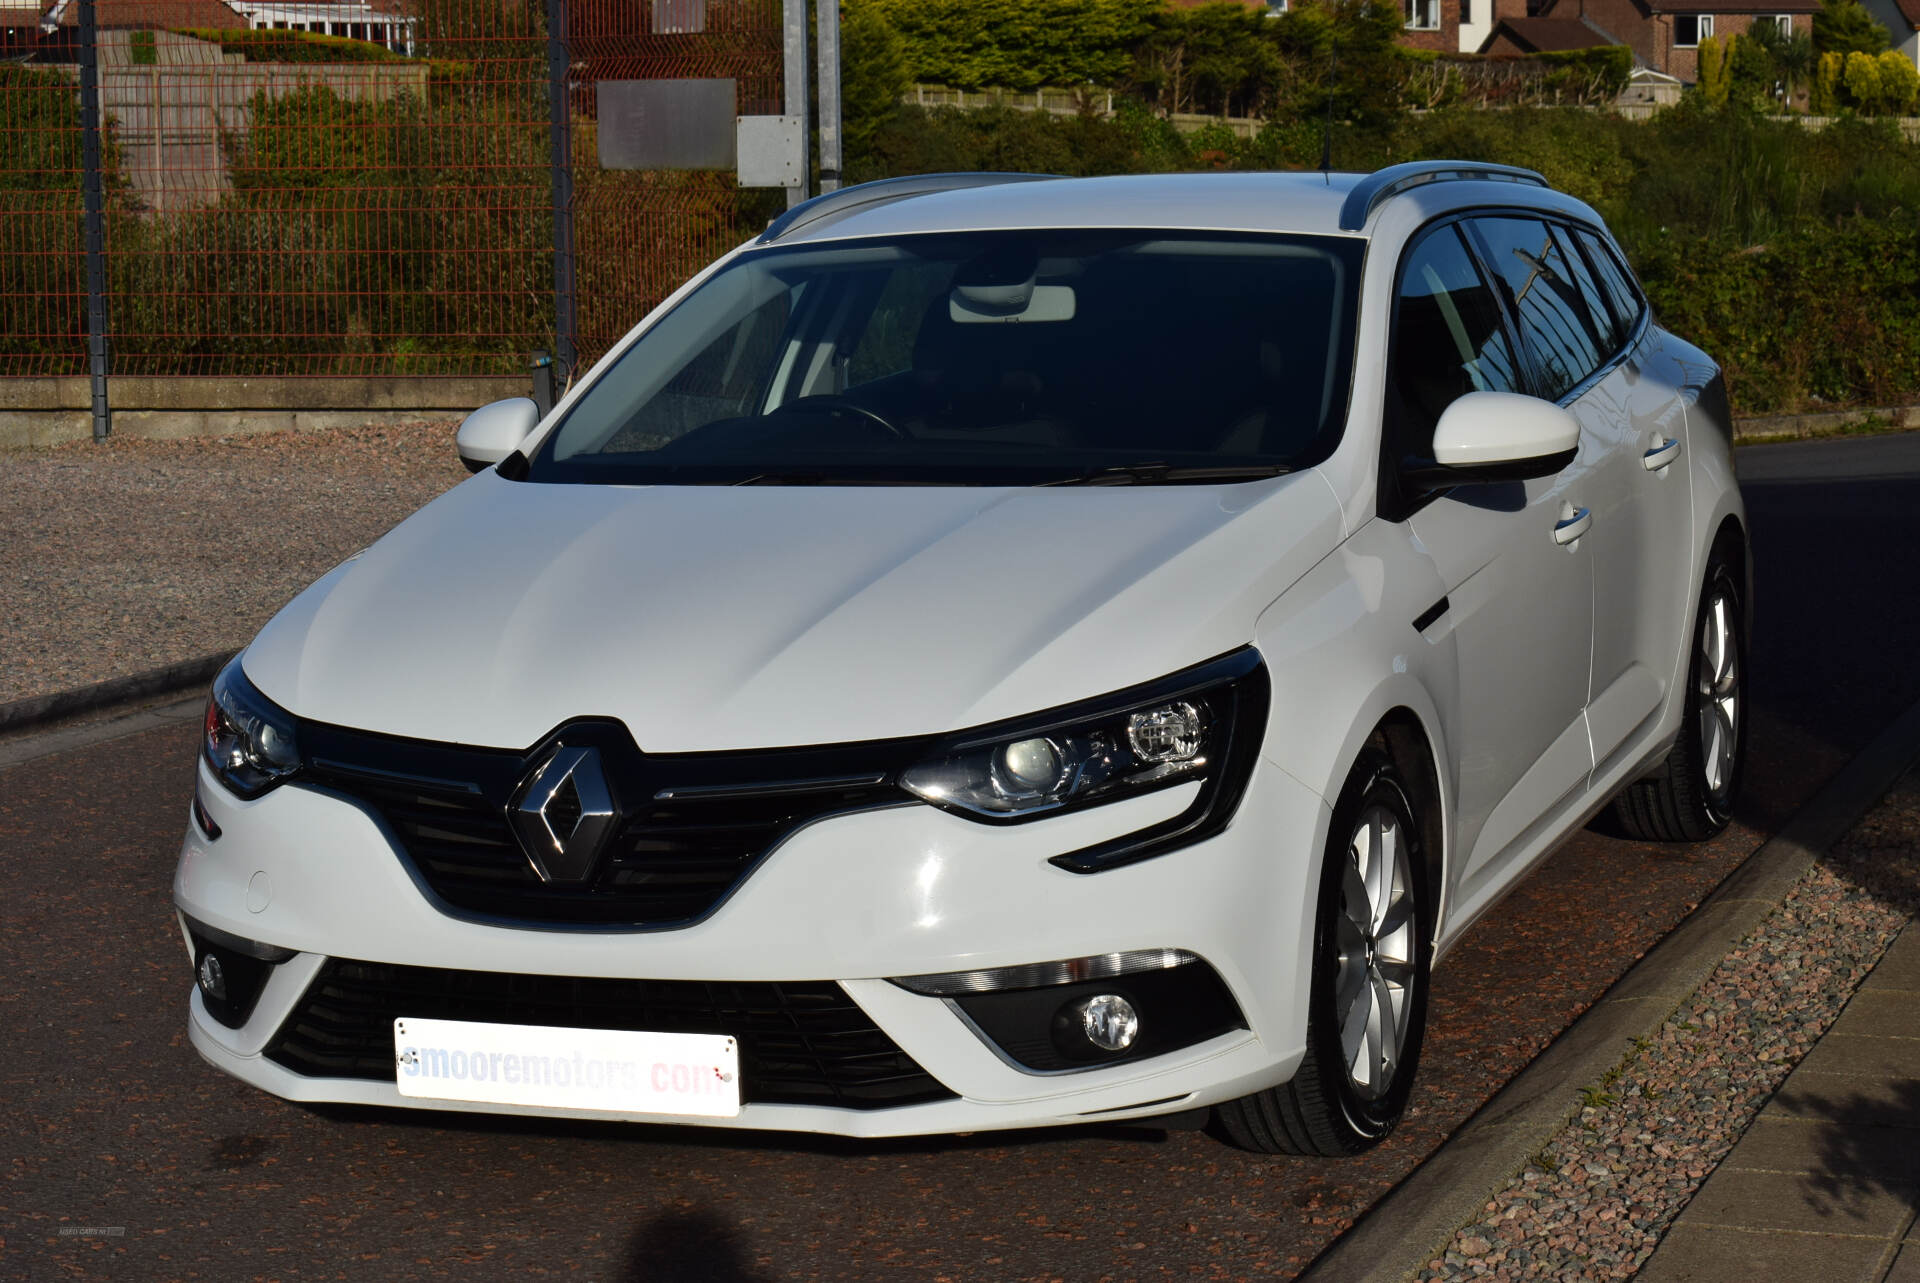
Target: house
{"points": [[1664, 35], [355, 19]]}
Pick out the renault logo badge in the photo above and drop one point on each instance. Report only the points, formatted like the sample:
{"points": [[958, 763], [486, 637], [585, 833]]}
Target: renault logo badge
{"points": [[564, 815]]}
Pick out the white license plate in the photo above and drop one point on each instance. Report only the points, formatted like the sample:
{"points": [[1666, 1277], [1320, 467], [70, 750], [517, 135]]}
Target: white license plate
{"points": [[617, 1070]]}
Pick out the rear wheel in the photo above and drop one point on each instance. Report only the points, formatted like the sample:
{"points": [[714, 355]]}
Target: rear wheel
{"points": [[1366, 1011], [1690, 797]]}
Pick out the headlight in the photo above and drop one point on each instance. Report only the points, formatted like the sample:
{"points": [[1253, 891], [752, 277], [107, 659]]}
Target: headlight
{"points": [[249, 742], [1203, 724]]}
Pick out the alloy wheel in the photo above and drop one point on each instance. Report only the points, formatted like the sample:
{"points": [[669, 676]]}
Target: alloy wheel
{"points": [[1718, 691], [1373, 990]]}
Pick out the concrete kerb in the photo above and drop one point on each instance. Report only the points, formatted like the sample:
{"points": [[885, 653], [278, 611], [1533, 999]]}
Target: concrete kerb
{"points": [[39, 710], [44, 412], [1825, 423], [1412, 1224]]}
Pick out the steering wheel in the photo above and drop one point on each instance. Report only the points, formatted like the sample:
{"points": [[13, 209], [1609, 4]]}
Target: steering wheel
{"points": [[833, 403]]}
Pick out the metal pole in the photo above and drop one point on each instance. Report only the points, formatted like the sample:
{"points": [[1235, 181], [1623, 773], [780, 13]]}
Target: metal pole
{"points": [[565, 306], [828, 19], [793, 15], [93, 222]]}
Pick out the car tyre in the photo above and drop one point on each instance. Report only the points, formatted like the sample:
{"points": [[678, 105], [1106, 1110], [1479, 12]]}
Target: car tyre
{"points": [[1366, 1009], [1689, 798]]}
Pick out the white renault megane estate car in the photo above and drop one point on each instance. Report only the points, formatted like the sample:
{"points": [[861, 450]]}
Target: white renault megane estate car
{"points": [[992, 651]]}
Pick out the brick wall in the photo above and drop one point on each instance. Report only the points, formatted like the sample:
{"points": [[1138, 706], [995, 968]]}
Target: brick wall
{"points": [[1445, 38]]}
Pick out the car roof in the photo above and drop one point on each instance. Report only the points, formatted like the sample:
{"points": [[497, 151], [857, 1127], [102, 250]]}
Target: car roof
{"points": [[1311, 203]]}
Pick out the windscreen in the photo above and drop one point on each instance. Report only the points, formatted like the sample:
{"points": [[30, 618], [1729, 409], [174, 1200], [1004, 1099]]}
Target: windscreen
{"points": [[1005, 358]]}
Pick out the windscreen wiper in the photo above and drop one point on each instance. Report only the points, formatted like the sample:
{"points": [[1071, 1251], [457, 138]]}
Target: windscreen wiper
{"points": [[1159, 472], [803, 477]]}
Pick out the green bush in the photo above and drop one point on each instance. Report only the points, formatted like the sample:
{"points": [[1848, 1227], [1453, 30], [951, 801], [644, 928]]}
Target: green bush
{"points": [[1018, 44]]}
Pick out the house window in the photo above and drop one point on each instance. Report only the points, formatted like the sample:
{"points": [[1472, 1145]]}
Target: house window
{"points": [[1276, 7], [1466, 12], [1689, 29], [1781, 22], [1422, 15]]}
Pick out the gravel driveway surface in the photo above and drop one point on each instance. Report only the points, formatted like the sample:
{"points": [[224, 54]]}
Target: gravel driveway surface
{"points": [[123, 557]]}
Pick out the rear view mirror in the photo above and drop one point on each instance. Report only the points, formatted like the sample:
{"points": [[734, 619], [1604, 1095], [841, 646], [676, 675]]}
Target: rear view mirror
{"points": [[1500, 436], [495, 431]]}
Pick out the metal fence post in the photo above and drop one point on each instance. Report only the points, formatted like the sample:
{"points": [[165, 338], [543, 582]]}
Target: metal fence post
{"points": [[565, 310], [94, 227], [793, 22], [828, 17]]}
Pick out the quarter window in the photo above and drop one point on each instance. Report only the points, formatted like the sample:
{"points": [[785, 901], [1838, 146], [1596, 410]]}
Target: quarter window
{"points": [[1449, 339], [1612, 334], [1622, 298], [1555, 327]]}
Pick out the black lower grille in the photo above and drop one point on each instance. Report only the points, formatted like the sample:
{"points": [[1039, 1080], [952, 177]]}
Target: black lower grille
{"points": [[801, 1043]]}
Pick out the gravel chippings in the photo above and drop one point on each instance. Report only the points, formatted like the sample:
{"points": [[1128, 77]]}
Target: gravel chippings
{"points": [[129, 555], [1595, 1202]]}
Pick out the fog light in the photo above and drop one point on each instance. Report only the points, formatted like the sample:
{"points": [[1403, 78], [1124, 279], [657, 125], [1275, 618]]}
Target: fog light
{"points": [[213, 977], [1109, 1022]]}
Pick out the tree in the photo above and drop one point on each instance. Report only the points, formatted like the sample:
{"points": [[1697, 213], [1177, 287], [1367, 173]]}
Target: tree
{"points": [[873, 71], [1862, 75], [1899, 82], [1825, 96], [1751, 70], [1790, 58], [1712, 82], [1845, 26]]}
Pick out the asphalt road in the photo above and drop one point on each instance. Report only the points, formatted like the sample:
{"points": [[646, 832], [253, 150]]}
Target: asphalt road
{"points": [[127, 1157]]}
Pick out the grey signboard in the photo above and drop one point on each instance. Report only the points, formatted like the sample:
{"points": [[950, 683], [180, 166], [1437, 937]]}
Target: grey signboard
{"points": [[666, 124]]}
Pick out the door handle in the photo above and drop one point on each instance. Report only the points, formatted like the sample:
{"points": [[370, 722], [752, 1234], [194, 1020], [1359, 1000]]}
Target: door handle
{"points": [[1661, 455], [1573, 523]]}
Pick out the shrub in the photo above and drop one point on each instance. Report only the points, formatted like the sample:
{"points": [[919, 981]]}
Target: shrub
{"points": [[1861, 76], [1712, 72]]}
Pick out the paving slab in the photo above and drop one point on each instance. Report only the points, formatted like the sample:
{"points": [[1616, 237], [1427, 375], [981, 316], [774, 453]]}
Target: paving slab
{"points": [[1698, 1254], [1900, 969], [1792, 1202], [1882, 1013], [1862, 1056], [1906, 1268], [1846, 1098], [1846, 1151]]}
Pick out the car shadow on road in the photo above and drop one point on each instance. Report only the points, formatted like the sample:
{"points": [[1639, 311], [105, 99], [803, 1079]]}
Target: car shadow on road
{"points": [[688, 1245], [1147, 1132]]}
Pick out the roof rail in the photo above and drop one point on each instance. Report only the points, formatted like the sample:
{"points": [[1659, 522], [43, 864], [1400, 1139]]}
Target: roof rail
{"points": [[883, 191], [1369, 192]]}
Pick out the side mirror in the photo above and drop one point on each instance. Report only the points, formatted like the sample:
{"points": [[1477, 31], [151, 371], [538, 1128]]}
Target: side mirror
{"points": [[495, 431], [1499, 436]]}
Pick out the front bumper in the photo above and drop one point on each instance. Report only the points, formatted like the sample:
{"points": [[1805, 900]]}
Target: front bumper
{"points": [[855, 899]]}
